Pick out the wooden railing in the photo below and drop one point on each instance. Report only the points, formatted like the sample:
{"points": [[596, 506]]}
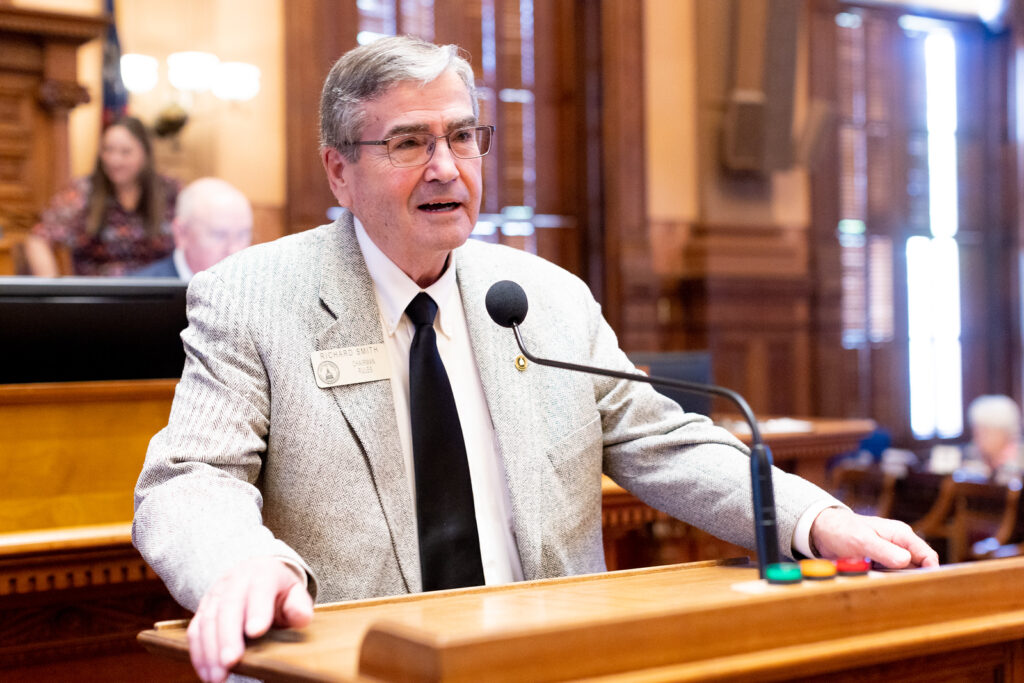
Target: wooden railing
{"points": [[70, 455]]}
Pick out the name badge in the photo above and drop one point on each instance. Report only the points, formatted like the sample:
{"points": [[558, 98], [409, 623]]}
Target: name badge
{"points": [[352, 365]]}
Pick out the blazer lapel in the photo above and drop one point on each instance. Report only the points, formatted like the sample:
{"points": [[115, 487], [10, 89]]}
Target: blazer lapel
{"points": [[509, 401], [346, 290]]}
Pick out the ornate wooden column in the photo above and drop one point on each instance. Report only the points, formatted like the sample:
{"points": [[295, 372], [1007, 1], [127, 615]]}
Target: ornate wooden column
{"points": [[38, 87]]}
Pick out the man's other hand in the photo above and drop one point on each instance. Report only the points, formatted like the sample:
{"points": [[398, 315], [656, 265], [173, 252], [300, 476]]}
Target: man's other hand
{"points": [[248, 599], [838, 532]]}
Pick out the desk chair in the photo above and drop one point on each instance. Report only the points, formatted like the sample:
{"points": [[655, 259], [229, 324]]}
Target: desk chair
{"points": [[966, 512]]}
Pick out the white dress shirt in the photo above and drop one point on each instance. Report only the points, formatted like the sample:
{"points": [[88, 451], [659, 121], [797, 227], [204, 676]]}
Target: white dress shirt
{"points": [[184, 272], [394, 290]]}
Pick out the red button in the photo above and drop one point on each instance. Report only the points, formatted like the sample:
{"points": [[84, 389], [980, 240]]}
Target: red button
{"points": [[850, 566]]}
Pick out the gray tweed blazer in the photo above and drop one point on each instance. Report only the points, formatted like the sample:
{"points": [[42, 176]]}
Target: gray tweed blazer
{"points": [[257, 460]]}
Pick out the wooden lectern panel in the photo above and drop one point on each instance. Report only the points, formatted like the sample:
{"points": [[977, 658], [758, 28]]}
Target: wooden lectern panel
{"points": [[681, 623]]}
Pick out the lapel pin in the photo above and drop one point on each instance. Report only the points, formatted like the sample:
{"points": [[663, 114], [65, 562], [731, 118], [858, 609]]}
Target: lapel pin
{"points": [[521, 363]]}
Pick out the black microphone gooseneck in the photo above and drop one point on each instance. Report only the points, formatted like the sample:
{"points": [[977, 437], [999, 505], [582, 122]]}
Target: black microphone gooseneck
{"points": [[507, 305]]}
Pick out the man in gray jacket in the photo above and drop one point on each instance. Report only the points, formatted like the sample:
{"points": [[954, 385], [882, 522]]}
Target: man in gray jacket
{"points": [[294, 465]]}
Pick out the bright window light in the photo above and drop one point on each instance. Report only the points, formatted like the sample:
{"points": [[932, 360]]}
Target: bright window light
{"points": [[367, 37], [933, 263], [940, 81], [933, 297], [848, 20]]}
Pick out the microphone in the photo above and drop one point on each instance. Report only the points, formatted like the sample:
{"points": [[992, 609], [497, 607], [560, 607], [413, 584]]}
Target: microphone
{"points": [[507, 305]]}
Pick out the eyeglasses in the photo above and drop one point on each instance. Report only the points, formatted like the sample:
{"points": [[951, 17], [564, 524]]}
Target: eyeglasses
{"points": [[416, 149]]}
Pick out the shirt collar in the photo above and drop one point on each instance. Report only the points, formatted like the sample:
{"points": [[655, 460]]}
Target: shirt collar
{"points": [[395, 289], [184, 272]]}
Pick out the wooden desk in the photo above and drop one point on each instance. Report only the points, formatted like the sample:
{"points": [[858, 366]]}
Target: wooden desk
{"points": [[95, 434], [70, 453], [636, 535], [806, 453], [73, 590], [680, 623], [69, 458]]}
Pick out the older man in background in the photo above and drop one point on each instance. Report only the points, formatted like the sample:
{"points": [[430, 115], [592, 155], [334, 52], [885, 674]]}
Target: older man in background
{"points": [[213, 220], [995, 450]]}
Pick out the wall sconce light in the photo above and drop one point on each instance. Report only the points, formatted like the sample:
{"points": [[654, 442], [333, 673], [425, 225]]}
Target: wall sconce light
{"points": [[237, 81], [139, 72], [189, 73]]}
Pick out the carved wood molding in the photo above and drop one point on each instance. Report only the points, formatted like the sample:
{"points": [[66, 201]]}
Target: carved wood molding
{"points": [[56, 96], [75, 593], [81, 624], [74, 28], [625, 512], [26, 573]]}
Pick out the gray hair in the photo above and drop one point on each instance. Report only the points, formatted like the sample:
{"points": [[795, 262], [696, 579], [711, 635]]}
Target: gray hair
{"points": [[997, 412], [365, 72]]}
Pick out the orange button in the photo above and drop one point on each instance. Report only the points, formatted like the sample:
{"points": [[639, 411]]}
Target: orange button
{"points": [[817, 569]]}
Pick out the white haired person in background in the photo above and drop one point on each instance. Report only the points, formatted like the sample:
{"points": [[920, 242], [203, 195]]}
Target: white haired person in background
{"points": [[213, 220], [995, 448]]}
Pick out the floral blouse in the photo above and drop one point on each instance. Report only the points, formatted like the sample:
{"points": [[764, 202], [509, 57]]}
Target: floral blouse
{"points": [[121, 245]]}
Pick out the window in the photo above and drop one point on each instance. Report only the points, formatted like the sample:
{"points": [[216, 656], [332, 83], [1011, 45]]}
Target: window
{"points": [[933, 261], [915, 250], [501, 41]]}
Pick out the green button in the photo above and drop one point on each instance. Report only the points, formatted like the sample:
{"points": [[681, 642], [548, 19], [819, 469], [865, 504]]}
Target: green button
{"points": [[783, 572]]}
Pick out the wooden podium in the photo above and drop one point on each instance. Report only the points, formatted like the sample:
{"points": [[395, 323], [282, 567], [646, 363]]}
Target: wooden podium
{"points": [[700, 621]]}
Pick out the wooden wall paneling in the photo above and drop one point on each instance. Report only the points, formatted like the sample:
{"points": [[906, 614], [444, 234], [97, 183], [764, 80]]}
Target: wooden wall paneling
{"points": [[630, 288], [991, 292], [733, 279], [317, 32], [461, 23], [588, 48], [835, 384], [757, 330], [560, 120], [515, 189], [268, 222], [1013, 195]]}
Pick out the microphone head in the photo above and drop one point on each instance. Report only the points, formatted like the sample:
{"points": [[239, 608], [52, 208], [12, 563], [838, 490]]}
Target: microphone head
{"points": [[506, 303]]}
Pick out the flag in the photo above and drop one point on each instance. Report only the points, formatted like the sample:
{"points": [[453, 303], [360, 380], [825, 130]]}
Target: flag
{"points": [[115, 96]]}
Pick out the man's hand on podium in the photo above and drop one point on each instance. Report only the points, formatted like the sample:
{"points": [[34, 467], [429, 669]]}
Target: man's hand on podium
{"points": [[249, 598], [838, 532]]}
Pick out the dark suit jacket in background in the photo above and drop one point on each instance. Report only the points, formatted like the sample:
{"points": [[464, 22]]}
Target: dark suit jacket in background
{"points": [[163, 268]]}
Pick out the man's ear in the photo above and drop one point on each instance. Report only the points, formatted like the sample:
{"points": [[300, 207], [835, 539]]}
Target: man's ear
{"points": [[178, 231], [335, 165]]}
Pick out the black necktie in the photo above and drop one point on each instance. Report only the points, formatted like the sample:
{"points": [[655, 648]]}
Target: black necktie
{"points": [[449, 544]]}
